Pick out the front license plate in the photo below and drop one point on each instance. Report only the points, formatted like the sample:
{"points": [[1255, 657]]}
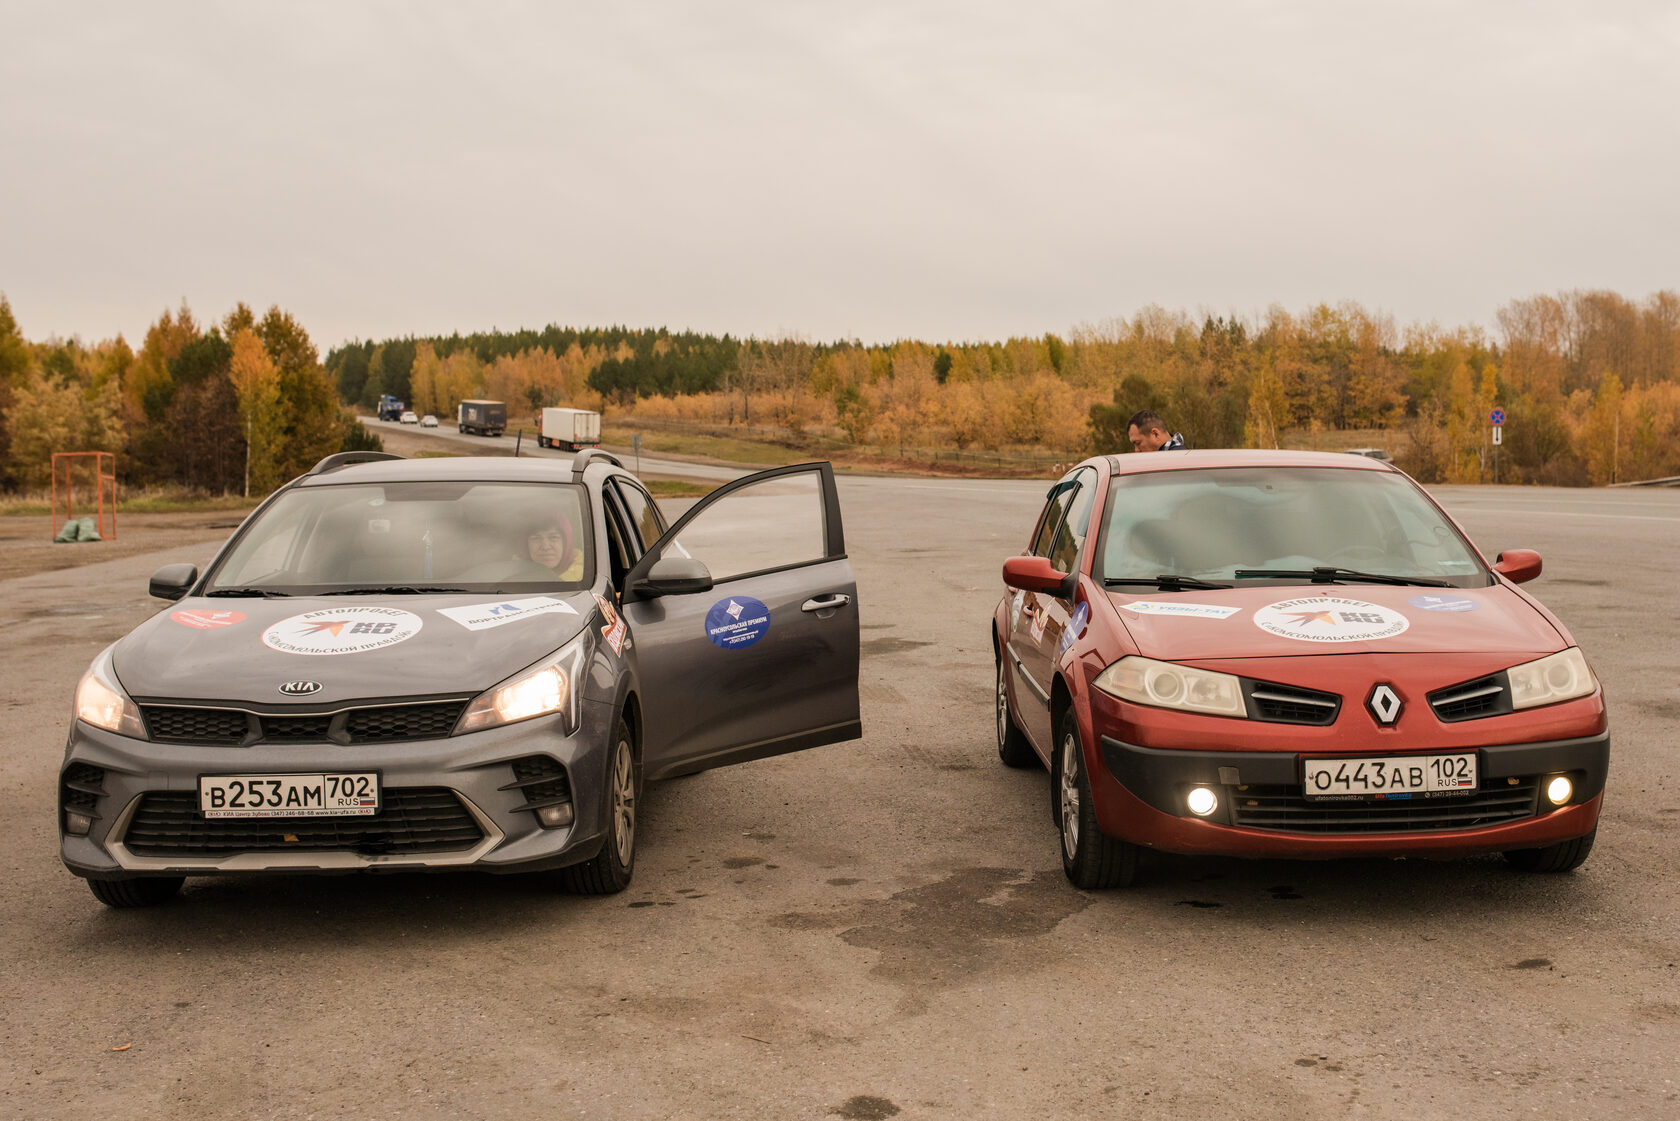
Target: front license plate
{"points": [[339, 795], [1393, 776]]}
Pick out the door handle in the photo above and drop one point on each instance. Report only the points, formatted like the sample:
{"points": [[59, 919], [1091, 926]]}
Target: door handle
{"points": [[826, 603]]}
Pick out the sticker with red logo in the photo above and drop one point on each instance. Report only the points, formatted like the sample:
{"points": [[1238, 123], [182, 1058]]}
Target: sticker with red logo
{"points": [[207, 620], [614, 630], [342, 630], [1330, 619]]}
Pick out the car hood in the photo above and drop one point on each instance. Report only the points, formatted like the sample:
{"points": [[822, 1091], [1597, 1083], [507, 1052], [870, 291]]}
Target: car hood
{"points": [[354, 647], [1272, 622]]}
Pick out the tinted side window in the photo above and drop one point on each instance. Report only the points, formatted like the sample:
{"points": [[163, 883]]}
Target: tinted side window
{"points": [[645, 518], [1051, 518], [773, 523], [1069, 536]]}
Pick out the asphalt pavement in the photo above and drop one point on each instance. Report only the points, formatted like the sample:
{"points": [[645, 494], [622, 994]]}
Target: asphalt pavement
{"points": [[880, 928]]}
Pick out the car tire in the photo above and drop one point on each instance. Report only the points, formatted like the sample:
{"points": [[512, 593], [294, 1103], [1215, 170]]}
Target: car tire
{"points": [[1012, 745], [1090, 858], [1565, 856], [145, 891], [609, 871]]}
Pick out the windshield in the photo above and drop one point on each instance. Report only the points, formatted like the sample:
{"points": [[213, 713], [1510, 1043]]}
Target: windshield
{"points": [[413, 537], [1217, 523]]}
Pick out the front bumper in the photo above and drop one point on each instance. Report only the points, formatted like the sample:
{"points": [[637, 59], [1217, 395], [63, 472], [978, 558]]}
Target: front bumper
{"points": [[1140, 796], [145, 821]]}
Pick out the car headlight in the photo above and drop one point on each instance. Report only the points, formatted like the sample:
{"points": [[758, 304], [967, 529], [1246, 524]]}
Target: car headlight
{"points": [[549, 686], [100, 701], [1559, 677], [1145, 681]]}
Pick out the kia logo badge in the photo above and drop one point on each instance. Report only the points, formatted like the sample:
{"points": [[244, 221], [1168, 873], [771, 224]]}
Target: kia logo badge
{"points": [[300, 688]]}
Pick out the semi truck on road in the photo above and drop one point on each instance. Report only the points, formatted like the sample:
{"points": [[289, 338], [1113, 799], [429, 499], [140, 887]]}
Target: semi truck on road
{"points": [[390, 408], [572, 429], [485, 418]]}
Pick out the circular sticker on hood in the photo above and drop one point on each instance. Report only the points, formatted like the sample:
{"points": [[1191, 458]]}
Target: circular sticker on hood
{"points": [[342, 630], [1330, 619]]}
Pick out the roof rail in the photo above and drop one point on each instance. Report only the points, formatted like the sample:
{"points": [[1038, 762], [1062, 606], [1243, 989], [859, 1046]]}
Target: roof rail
{"points": [[344, 459], [582, 460]]}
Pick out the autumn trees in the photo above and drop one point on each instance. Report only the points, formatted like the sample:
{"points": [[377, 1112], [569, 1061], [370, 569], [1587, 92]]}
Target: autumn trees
{"points": [[185, 410]]}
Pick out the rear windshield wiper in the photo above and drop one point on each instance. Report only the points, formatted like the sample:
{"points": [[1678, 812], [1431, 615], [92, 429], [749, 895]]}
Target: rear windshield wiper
{"points": [[1168, 582], [391, 590], [266, 593], [1327, 574]]}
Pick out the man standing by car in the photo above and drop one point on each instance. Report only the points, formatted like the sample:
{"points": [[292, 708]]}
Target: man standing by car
{"points": [[1148, 433]]}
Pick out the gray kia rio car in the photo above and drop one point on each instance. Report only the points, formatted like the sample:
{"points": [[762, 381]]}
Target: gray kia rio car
{"points": [[457, 663]]}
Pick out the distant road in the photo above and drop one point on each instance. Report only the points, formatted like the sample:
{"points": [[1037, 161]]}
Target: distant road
{"points": [[503, 445]]}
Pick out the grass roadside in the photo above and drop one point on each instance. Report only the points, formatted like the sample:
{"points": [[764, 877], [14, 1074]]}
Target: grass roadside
{"points": [[143, 502]]}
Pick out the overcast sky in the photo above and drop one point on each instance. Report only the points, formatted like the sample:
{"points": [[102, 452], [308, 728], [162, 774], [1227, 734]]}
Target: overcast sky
{"points": [[946, 171]]}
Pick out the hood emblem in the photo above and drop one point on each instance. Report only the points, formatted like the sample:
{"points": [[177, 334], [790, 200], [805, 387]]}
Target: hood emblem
{"points": [[300, 688], [1385, 704]]}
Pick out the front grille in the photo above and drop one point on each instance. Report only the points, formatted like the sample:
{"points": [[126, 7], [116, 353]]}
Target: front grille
{"points": [[542, 780], [1290, 704], [1284, 809], [196, 725], [403, 722], [1471, 700], [296, 729], [412, 820], [226, 727]]}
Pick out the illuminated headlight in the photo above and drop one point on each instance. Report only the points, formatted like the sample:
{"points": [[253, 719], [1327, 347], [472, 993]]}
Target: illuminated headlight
{"points": [[1560, 677], [1201, 800], [1559, 790], [100, 701], [1166, 685], [544, 688]]}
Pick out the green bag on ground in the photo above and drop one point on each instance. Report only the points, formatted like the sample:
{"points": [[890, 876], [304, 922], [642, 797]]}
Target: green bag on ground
{"points": [[77, 529]]}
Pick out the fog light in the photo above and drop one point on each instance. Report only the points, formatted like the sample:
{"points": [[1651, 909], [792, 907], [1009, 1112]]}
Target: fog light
{"points": [[1202, 801], [77, 824], [1559, 790], [553, 817]]}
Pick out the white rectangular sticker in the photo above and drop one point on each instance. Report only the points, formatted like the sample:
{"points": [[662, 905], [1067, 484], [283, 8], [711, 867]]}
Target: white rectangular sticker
{"points": [[481, 616], [1188, 610]]}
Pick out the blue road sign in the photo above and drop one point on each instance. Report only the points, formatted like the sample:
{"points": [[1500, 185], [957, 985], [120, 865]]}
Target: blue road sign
{"points": [[1498, 416]]}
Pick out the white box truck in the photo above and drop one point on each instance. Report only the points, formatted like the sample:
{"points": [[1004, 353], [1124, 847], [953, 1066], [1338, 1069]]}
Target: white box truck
{"points": [[572, 429]]}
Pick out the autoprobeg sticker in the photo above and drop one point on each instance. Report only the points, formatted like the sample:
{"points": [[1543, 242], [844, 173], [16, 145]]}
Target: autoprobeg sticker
{"points": [[614, 628], [343, 630], [1076, 625], [1330, 619], [1445, 603], [736, 623], [207, 620]]}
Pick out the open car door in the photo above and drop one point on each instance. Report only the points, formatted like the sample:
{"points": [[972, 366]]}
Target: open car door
{"points": [[744, 619]]}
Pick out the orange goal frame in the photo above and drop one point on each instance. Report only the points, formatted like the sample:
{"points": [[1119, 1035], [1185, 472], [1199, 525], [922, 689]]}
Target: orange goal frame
{"points": [[105, 483]]}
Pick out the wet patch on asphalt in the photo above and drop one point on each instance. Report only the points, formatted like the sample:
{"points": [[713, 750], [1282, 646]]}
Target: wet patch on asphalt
{"points": [[866, 1107]]}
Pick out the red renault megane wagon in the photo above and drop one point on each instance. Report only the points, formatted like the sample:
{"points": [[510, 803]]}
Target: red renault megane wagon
{"points": [[1288, 654]]}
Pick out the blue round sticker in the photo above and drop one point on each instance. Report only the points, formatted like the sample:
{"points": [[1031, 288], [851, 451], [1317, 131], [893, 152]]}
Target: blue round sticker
{"points": [[736, 623], [1445, 603]]}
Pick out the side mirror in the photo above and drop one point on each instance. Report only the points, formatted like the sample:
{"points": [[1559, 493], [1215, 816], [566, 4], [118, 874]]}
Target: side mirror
{"points": [[675, 576], [173, 581], [1035, 574], [1518, 565]]}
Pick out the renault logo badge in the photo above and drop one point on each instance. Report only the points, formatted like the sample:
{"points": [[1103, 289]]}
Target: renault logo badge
{"points": [[300, 688], [1385, 704]]}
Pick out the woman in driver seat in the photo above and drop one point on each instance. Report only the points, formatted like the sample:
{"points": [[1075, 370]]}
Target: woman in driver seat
{"points": [[552, 543]]}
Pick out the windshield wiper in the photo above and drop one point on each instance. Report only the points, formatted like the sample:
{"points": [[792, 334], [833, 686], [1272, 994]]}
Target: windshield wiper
{"points": [[1328, 574], [1168, 582], [392, 590], [266, 593]]}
